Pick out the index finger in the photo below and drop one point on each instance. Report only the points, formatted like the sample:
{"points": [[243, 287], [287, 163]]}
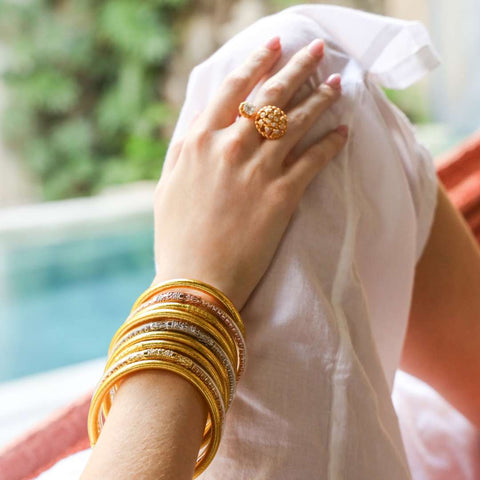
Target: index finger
{"points": [[223, 109]]}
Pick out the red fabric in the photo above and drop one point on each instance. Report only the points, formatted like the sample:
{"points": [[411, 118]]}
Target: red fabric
{"points": [[65, 432], [460, 173], [59, 435]]}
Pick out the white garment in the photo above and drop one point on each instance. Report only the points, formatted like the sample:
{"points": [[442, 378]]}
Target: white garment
{"points": [[326, 323], [441, 444]]}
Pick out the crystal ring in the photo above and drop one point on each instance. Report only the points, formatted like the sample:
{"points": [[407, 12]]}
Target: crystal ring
{"points": [[270, 121]]}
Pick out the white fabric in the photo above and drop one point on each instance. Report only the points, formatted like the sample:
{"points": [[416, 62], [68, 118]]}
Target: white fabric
{"points": [[326, 323], [440, 443]]}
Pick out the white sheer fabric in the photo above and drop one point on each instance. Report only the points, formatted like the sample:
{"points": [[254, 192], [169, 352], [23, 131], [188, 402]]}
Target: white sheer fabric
{"points": [[440, 443], [326, 323]]}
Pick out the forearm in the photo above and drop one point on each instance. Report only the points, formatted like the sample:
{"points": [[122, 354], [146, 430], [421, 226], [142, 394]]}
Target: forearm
{"points": [[442, 345], [155, 426], [153, 430]]}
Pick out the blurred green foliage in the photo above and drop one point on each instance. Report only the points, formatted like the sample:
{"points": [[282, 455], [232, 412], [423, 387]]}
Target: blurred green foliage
{"points": [[85, 77], [412, 101], [86, 108], [280, 4]]}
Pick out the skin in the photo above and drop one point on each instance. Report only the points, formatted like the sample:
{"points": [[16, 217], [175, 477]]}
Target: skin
{"points": [[442, 345], [222, 175]]}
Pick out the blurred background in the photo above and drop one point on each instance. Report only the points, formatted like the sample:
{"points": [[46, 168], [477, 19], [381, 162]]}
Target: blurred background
{"points": [[89, 94]]}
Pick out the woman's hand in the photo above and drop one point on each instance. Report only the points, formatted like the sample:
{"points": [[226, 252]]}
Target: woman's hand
{"points": [[223, 202], [226, 195]]}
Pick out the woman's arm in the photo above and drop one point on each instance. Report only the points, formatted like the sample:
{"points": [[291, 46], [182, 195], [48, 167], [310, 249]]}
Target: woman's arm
{"points": [[153, 430], [442, 345], [221, 207]]}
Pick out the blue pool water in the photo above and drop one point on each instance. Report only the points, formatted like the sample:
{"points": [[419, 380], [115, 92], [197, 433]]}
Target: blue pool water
{"points": [[61, 303]]}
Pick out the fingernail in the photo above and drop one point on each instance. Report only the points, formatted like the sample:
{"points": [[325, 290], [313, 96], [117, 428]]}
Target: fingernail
{"points": [[342, 130], [334, 81], [273, 43], [316, 48]]}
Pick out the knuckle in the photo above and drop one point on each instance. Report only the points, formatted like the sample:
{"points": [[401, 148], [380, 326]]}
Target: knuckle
{"points": [[200, 138], [335, 142], [256, 59], [324, 152], [303, 61], [237, 80], [275, 88], [232, 147], [328, 94], [260, 57], [338, 145], [174, 150], [301, 117], [321, 156], [281, 192]]}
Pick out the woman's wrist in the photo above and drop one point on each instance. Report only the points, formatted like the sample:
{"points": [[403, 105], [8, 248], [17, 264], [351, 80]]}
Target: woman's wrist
{"points": [[225, 286], [172, 329], [159, 405]]}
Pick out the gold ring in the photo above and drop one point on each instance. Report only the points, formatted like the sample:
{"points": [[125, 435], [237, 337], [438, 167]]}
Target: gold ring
{"points": [[270, 121]]}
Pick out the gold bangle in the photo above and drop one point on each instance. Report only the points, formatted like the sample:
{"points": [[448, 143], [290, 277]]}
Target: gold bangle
{"points": [[210, 364], [207, 384], [207, 441], [176, 363], [166, 345], [174, 316], [199, 302], [198, 285], [182, 307], [125, 361], [164, 311], [222, 365], [150, 330], [192, 332]]}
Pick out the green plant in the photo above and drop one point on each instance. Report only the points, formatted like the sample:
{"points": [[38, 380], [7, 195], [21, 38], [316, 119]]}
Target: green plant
{"points": [[412, 101], [86, 107]]}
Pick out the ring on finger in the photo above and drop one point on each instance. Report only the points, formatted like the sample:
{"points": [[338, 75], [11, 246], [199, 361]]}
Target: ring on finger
{"points": [[270, 121]]}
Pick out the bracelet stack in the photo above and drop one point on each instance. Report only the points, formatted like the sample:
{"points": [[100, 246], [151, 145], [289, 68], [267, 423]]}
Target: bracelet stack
{"points": [[183, 326]]}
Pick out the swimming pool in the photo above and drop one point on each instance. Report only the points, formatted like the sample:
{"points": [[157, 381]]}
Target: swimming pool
{"points": [[69, 274], [62, 301]]}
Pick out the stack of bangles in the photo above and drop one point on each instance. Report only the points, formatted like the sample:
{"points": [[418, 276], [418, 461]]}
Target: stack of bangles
{"points": [[187, 327]]}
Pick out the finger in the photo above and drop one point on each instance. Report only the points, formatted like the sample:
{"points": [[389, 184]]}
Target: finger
{"points": [[303, 116], [279, 89], [302, 171], [194, 119], [171, 158], [223, 109], [174, 150]]}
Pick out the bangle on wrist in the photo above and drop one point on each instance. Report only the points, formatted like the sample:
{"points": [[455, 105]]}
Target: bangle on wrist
{"points": [[183, 326]]}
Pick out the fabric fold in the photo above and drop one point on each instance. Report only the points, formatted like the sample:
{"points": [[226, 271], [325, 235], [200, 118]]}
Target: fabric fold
{"points": [[395, 53]]}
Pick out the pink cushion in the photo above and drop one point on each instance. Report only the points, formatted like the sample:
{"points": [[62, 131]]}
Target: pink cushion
{"points": [[60, 435], [460, 173]]}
